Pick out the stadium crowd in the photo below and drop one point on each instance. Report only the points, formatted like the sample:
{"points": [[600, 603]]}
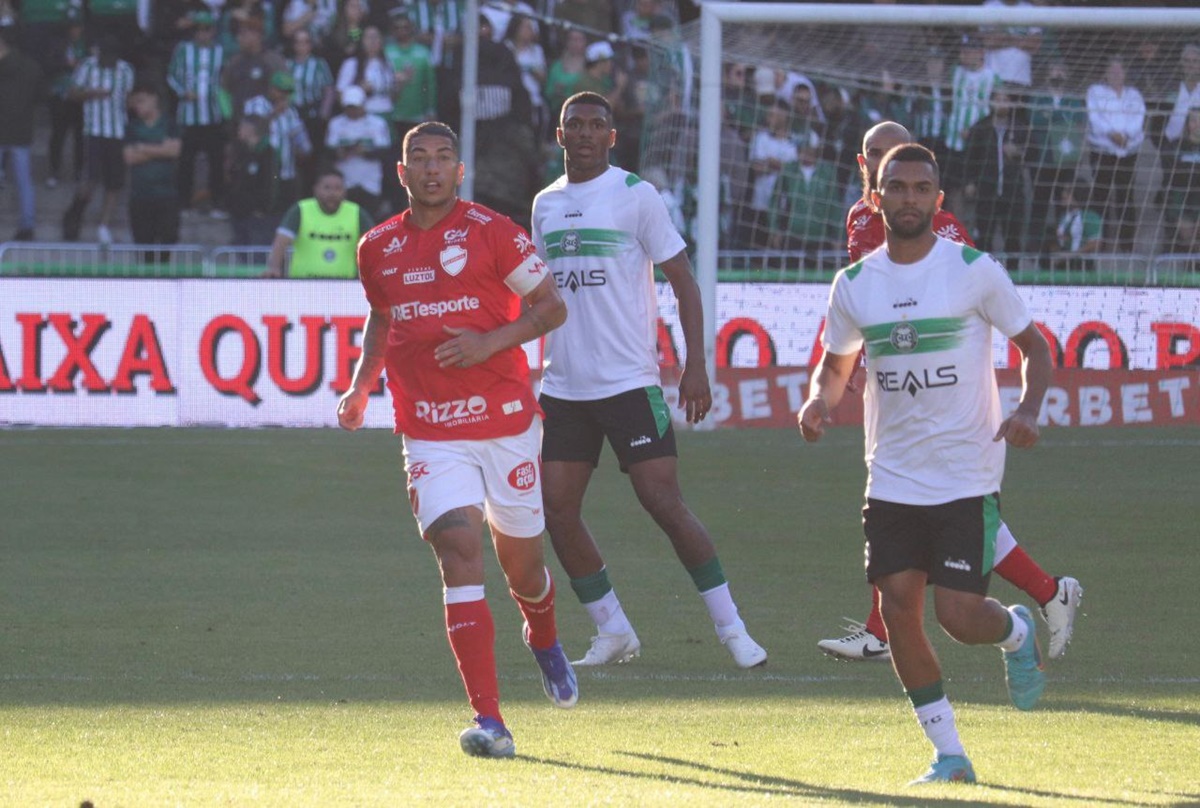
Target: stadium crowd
{"points": [[243, 103]]}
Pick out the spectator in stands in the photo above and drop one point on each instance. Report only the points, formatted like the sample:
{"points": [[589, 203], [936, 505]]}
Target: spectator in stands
{"points": [[807, 206], [370, 70], [313, 97], [66, 113], [247, 74], [416, 91], [286, 132], [522, 39], [253, 186], [501, 15], [323, 232], [440, 28], [970, 88], [152, 149], [595, 17], [805, 122], [925, 106], [1183, 188], [637, 96], [735, 180], [1187, 96], [771, 149], [235, 14], [316, 17], [1010, 51], [1058, 123], [640, 20], [1116, 125], [599, 73], [738, 99], [1080, 230], [359, 141], [566, 71], [102, 82], [996, 149], [842, 134], [20, 92], [194, 76], [347, 32]]}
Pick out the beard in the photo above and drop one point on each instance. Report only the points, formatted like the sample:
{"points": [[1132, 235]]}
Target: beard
{"points": [[908, 228]]}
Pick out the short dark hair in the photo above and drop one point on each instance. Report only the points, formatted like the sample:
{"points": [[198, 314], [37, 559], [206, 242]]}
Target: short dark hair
{"points": [[587, 97], [908, 153], [436, 128], [328, 170]]}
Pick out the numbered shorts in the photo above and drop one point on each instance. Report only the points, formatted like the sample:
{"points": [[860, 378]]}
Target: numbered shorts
{"points": [[953, 543], [637, 424], [502, 477]]}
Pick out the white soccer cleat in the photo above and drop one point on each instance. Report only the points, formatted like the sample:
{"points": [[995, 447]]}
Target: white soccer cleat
{"points": [[611, 649], [857, 646], [745, 651], [1059, 614]]}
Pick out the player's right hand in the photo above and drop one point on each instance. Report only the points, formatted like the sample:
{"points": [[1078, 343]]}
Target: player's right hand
{"points": [[350, 410]]}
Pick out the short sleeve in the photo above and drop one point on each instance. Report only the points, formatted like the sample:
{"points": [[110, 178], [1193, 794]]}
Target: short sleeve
{"points": [[841, 335], [1000, 304], [290, 225], [656, 232], [517, 261]]}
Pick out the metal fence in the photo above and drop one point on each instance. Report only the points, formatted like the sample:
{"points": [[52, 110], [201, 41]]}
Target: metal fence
{"points": [[73, 260]]}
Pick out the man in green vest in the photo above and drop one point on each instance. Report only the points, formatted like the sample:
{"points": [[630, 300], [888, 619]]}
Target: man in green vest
{"points": [[323, 230]]}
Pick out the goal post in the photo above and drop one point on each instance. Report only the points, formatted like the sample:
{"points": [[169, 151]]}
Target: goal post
{"points": [[1180, 26]]}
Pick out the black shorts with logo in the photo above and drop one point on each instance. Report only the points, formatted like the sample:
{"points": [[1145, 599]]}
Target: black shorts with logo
{"points": [[953, 543], [637, 424]]}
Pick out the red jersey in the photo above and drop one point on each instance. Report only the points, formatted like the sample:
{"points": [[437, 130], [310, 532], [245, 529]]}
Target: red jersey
{"points": [[864, 229], [470, 270]]}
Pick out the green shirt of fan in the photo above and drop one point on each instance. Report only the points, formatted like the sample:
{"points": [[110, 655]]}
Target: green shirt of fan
{"points": [[50, 10], [325, 243], [113, 8], [153, 179]]}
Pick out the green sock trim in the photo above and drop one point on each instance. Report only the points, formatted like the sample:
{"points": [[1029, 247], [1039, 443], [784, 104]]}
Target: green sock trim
{"points": [[708, 575], [926, 695], [1008, 627], [593, 587]]}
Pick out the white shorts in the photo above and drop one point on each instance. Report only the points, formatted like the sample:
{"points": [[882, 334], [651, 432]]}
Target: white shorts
{"points": [[502, 477]]}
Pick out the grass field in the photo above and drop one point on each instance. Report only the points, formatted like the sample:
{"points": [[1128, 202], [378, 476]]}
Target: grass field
{"points": [[244, 618]]}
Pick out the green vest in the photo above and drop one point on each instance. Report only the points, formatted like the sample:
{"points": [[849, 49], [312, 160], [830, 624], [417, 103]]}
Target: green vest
{"points": [[325, 244]]}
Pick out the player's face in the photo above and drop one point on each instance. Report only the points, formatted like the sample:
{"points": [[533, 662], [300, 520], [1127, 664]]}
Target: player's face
{"points": [[330, 191], [908, 197], [875, 147], [431, 170], [586, 134]]}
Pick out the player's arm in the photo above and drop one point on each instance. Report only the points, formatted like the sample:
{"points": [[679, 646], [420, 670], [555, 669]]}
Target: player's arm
{"points": [[695, 395], [279, 248], [828, 386], [544, 311], [1021, 428], [366, 373]]}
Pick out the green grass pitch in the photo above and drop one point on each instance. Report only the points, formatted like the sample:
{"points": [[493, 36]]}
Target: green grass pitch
{"points": [[248, 618]]}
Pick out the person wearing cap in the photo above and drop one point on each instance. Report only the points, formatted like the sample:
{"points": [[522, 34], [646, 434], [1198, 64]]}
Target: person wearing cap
{"points": [[194, 75], [359, 141], [286, 131], [599, 75], [248, 72], [322, 232]]}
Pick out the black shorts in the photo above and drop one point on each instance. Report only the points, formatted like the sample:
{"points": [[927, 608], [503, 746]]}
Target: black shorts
{"points": [[637, 424], [953, 543], [106, 162]]}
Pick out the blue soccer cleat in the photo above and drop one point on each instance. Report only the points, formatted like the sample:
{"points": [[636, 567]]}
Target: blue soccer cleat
{"points": [[558, 677], [488, 738], [1023, 667], [948, 769]]}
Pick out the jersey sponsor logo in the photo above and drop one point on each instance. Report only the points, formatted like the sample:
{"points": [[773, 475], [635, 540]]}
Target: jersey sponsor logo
{"points": [[904, 304], [389, 271], [452, 413], [453, 236], [440, 308], [454, 259], [394, 246], [575, 214], [478, 215], [422, 275], [570, 243], [418, 470], [904, 337], [384, 228], [574, 279], [512, 407], [524, 476], [912, 382], [524, 244]]}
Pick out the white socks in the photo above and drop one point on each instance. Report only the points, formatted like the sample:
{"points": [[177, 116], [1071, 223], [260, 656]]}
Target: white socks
{"points": [[608, 615], [937, 720]]}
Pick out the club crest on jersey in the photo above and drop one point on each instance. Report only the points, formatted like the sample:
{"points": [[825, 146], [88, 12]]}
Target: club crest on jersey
{"points": [[570, 242], [454, 259], [904, 337]]}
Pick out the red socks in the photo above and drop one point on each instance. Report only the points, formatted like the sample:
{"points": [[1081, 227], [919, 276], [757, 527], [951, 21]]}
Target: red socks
{"points": [[1024, 573], [539, 615], [472, 637], [875, 618]]}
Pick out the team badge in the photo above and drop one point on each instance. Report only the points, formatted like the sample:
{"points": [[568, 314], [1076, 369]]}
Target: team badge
{"points": [[570, 242], [329, 255], [454, 259], [904, 337]]}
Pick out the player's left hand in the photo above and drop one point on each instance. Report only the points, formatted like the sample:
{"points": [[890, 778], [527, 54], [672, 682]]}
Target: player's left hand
{"points": [[467, 348], [1020, 430], [695, 396]]}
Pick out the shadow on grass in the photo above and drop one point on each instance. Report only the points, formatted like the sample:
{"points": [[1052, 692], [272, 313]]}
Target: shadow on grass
{"points": [[1188, 717]]}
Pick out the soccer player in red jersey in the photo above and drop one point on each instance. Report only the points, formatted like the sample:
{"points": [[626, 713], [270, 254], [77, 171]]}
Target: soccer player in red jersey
{"points": [[1059, 597], [446, 280]]}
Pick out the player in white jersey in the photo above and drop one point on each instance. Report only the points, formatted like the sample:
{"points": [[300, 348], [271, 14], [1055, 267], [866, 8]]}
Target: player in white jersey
{"points": [[924, 308], [601, 230]]}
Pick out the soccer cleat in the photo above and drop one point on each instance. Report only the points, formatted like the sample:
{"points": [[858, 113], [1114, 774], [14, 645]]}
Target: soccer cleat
{"points": [[857, 646], [1059, 614], [948, 769], [558, 677], [609, 649], [488, 738], [1023, 667], [745, 651]]}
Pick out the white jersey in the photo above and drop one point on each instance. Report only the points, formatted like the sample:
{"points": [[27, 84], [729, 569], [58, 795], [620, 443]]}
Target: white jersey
{"points": [[601, 239], [932, 406]]}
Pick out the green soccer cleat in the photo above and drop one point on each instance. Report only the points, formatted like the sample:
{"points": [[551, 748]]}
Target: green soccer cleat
{"points": [[1023, 667]]}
